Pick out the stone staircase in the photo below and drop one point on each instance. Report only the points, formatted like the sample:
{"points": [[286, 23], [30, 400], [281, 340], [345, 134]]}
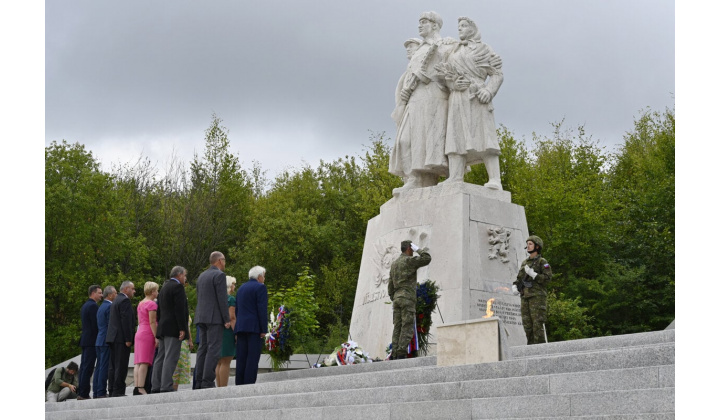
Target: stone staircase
{"points": [[620, 377]]}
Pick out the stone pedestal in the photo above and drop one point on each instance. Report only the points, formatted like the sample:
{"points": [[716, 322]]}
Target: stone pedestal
{"points": [[476, 237], [470, 342]]}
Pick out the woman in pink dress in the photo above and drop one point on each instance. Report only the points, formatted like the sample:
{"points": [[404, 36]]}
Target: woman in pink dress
{"points": [[145, 341]]}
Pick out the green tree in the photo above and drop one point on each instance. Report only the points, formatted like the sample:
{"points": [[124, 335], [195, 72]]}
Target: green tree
{"points": [[317, 218], [88, 240], [218, 203], [376, 181], [568, 203], [643, 179], [567, 319], [299, 301]]}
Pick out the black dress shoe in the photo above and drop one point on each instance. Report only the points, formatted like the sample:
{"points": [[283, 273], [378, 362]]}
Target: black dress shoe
{"points": [[82, 398], [137, 389]]}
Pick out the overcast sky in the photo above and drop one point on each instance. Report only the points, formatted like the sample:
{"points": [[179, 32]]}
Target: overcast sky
{"points": [[299, 81], [307, 82]]}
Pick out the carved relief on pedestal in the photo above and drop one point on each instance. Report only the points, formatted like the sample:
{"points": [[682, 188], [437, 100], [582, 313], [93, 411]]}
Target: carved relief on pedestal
{"points": [[385, 254], [387, 251], [499, 240]]}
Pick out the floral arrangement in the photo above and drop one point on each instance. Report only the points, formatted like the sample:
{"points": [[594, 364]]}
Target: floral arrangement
{"points": [[277, 339], [427, 297], [349, 353]]}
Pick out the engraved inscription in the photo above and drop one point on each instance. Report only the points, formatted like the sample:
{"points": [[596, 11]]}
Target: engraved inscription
{"points": [[509, 313], [372, 297]]}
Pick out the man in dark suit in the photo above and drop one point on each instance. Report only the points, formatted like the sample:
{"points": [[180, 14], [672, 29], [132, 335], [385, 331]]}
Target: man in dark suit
{"points": [[251, 326], [172, 315], [88, 316], [101, 348], [120, 337], [211, 316]]}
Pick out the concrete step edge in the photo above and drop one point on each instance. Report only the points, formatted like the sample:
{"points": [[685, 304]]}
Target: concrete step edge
{"points": [[321, 372], [590, 351], [399, 393], [466, 403], [342, 370], [562, 364], [638, 339]]}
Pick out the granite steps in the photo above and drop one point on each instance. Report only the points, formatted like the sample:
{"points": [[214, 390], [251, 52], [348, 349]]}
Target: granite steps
{"points": [[631, 379]]}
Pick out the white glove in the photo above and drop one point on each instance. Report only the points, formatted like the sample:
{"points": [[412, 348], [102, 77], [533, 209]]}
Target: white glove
{"points": [[515, 290], [414, 247], [530, 272]]}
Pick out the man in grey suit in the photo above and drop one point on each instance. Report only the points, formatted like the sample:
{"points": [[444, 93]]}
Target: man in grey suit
{"points": [[211, 317], [172, 329]]}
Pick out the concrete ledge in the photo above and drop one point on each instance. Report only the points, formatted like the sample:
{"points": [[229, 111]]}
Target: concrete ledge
{"points": [[606, 380], [645, 416], [443, 189], [470, 342], [457, 410], [593, 344], [344, 370], [624, 402]]}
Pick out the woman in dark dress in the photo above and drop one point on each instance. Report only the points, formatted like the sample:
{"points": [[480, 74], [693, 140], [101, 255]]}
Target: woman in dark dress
{"points": [[222, 371]]}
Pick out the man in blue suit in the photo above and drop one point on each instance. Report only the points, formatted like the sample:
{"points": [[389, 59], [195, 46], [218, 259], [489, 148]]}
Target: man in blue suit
{"points": [[102, 349], [88, 316], [251, 326], [120, 337]]}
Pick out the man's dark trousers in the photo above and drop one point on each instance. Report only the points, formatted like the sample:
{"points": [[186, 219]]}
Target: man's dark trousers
{"points": [[248, 347], [120, 359], [166, 360], [208, 353], [87, 366], [101, 373]]}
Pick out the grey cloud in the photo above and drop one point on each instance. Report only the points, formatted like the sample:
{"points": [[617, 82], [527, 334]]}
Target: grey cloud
{"points": [[327, 70]]}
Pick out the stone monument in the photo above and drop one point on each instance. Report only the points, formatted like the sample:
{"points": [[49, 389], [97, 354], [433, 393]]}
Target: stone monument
{"points": [[475, 234]]}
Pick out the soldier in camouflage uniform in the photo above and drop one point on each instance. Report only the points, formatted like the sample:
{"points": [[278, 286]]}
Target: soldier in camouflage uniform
{"points": [[401, 289], [534, 275]]}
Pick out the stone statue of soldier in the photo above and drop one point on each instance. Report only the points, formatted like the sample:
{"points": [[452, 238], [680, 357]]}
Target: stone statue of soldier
{"points": [[418, 155]]}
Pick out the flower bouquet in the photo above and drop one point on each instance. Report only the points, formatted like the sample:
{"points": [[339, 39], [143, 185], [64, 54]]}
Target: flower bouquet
{"points": [[348, 353], [276, 340], [427, 297]]}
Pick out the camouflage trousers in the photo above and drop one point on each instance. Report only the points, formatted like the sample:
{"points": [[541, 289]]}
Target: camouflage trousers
{"points": [[533, 311], [403, 326]]}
